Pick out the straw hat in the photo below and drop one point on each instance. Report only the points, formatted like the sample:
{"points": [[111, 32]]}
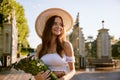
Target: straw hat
{"points": [[45, 15]]}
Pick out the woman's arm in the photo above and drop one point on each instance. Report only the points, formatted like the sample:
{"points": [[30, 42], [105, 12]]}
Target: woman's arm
{"points": [[68, 49], [43, 75]]}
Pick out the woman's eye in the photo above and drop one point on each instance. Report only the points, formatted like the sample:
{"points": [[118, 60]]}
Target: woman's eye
{"points": [[61, 24], [55, 23]]}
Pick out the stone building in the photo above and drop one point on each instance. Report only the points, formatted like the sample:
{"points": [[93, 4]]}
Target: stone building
{"points": [[8, 41], [77, 40], [104, 57], [103, 43]]}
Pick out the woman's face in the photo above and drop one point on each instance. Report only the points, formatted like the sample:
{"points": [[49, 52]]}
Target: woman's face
{"points": [[57, 27]]}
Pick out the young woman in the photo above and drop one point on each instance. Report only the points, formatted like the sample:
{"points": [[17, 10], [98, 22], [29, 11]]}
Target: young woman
{"points": [[55, 51]]}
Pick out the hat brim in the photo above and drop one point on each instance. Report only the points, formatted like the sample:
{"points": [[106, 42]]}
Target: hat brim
{"points": [[45, 15]]}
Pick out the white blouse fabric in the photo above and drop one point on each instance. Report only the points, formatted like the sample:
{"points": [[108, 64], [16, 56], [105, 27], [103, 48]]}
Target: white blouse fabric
{"points": [[57, 63]]}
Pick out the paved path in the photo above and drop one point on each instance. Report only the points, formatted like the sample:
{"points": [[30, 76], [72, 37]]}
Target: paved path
{"points": [[80, 75], [14, 75], [98, 75]]}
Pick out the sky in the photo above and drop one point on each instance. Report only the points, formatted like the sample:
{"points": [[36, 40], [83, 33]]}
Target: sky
{"points": [[91, 14]]}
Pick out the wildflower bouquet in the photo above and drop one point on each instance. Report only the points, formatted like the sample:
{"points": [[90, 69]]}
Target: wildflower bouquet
{"points": [[33, 66]]}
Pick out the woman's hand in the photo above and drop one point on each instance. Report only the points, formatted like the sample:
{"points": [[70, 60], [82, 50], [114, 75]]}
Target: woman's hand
{"points": [[59, 74], [43, 75]]}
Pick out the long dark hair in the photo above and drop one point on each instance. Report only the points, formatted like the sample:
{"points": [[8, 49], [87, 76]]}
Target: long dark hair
{"points": [[47, 35]]}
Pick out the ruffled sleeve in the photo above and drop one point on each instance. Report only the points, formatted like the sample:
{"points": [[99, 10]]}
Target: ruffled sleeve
{"points": [[70, 59]]}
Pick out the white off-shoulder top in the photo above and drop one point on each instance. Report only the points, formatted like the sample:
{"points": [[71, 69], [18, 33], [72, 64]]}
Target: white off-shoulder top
{"points": [[57, 63]]}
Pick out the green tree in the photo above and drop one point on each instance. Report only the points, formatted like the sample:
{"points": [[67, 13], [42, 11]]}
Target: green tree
{"points": [[23, 29], [92, 51], [116, 50], [6, 8]]}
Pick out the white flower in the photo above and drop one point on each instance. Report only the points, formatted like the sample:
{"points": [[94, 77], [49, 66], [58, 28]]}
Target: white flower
{"points": [[38, 64]]}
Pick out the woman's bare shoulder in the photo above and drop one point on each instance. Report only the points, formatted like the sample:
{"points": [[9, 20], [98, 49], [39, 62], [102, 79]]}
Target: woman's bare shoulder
{"points": [[67, 44], [68, 49], [39, 46], [38, 49]]}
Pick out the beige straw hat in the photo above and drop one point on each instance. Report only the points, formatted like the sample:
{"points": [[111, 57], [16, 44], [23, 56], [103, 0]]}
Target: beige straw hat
{"points": [[45, 15]]}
